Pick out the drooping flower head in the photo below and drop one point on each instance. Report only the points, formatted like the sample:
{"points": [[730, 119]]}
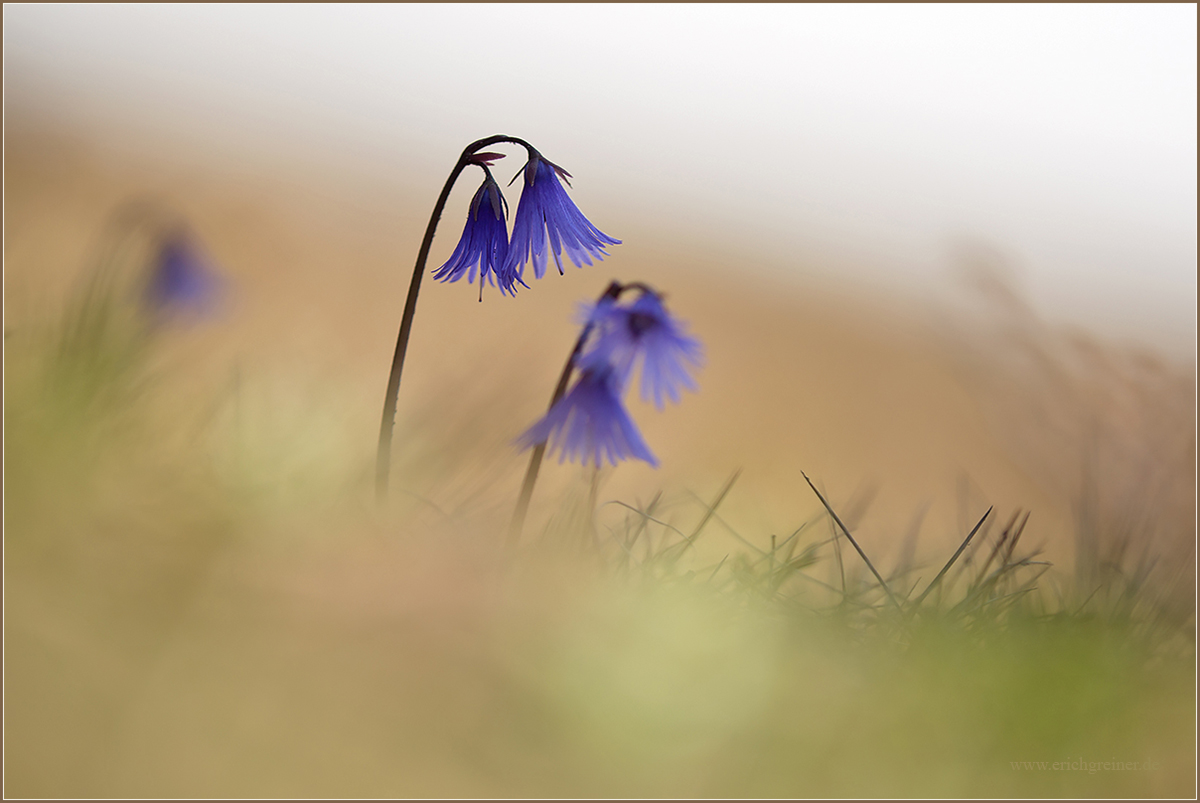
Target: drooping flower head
{"points": [[645, 332], [548, 222], [484, 242], [180, 278], [590, 423]]}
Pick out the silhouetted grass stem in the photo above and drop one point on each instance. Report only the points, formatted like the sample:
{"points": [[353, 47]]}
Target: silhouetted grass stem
{"points": [[854, 543], [953, 558]]}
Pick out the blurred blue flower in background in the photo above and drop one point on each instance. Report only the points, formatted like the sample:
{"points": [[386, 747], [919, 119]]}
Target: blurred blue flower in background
{"points": [[484, 243], [546, 213], [644, 331], [590, 423], [181, 279]]}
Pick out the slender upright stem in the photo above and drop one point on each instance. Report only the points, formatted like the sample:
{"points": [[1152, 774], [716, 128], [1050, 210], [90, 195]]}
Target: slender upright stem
{"points": [[383, 457], [613, 291]]}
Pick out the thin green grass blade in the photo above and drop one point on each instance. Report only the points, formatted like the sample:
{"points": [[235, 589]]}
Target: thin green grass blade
{"points": [[854, 543], [953, 558]]}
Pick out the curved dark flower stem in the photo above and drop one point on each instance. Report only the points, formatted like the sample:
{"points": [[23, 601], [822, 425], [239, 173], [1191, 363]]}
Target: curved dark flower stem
{"points": [[383, 457], [612, 293]]}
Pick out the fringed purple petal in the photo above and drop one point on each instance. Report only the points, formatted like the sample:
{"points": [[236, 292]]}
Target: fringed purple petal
{"points": [[548, 223], [483, 247], [644, 331], [590, 425]]}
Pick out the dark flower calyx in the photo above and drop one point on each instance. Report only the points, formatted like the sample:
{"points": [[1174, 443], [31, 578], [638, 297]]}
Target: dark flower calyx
{"points": [[498, 202], [484, 159]]}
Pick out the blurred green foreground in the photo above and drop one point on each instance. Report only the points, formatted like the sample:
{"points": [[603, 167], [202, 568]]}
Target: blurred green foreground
{"points": [[202, 600]]}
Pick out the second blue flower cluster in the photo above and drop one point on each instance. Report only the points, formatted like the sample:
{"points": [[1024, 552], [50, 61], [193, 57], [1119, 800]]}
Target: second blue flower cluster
{"points": [[590, 423], [547, 224]]}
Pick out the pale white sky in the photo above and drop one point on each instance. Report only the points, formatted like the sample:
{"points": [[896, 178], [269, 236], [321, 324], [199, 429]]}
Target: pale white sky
{"points": [[1064, 135]]}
